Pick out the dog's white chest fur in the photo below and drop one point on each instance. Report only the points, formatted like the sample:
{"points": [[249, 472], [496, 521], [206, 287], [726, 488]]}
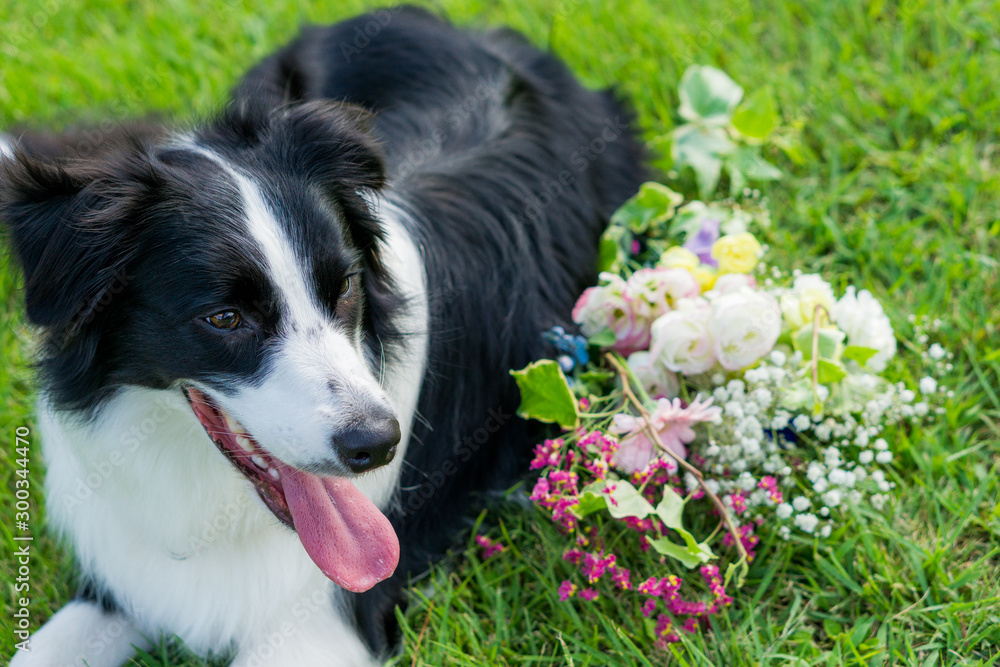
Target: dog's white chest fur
{"points": [[181, 539]]}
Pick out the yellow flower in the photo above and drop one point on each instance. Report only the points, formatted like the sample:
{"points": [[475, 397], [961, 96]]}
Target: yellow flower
{"points": [[736, 253], [678, 258], [705, 275]]}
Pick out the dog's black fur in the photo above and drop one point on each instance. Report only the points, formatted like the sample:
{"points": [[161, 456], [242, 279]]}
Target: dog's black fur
{"points": [[521, 265], [507, 166]]}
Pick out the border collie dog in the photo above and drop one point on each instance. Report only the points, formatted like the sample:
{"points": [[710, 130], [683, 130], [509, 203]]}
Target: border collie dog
{"points": [[274, 349]]}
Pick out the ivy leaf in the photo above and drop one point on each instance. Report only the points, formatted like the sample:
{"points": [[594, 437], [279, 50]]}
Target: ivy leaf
{"points": [[545, 394], [628, 502], [746, 164], [703, 149], [859, 354], [591, 500], [671, 508], [757, 116], [708, 96], [670, 511], [613, 249], [648, 209], [690, 557]]}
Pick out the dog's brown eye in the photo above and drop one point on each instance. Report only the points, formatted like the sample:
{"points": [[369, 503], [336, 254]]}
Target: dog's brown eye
{"points": [[346, 286], [227, 320]]}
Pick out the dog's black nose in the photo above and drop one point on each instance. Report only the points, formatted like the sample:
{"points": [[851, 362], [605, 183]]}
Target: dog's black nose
{"points": [[369, 445]]}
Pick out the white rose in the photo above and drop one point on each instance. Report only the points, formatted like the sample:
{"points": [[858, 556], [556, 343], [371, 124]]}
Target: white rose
{"points": [[745, 326], [798, 304], [681, 340], [730, 282], [861, 317]]}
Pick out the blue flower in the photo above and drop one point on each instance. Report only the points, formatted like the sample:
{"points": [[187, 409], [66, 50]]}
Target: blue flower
{"points": [[573, 348]]}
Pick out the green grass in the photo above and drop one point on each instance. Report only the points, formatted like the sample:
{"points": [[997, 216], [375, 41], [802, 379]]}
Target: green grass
{"points": [[890, 114]]}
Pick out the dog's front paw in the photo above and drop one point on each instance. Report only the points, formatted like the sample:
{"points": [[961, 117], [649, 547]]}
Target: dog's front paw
{"points": [[81, 634]]}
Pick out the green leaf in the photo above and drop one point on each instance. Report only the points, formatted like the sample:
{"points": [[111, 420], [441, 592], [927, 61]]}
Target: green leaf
{"points": [[613, 250], [628, 502], [703, 149], [604, 339], [689, 557], [859, 354], [545, 394], [830, 372], [747, 160], [648, 209], [708, 95], [757, 116], [829, 344], [671, 508], [670, 511], [591, 500]]}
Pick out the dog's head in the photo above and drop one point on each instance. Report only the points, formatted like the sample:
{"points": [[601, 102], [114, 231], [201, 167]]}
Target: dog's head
{"points": [[233, 264]]}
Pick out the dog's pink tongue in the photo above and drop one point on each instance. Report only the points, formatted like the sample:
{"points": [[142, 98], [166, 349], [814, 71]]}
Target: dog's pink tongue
{"points": [[347, 537]]}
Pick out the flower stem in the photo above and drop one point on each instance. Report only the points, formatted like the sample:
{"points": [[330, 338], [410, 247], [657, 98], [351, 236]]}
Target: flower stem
{"points": [[727, 517]]}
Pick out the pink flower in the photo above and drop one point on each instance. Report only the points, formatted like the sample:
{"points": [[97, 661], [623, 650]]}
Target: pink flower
{"points": [[548, 454], [662, 288], [621, 576], [672, 422], [616, 307], [770, 485], [589, 594], [648, 607], [489, 547], [566, 590]]}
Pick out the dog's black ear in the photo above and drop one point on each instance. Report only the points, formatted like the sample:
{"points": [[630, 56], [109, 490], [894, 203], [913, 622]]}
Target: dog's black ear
{"points": [[334, 147], [333, 144], [61, 227]]}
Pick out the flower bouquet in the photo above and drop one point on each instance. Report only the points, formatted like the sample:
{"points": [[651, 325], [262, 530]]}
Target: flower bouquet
{"points": [[708, 388]]}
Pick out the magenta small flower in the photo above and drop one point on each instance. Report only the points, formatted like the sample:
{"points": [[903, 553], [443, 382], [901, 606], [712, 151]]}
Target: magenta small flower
{"points": [[648, 607], [548, 454], [489, 547], [770, 485], [621, 577], [589, 594], [566, 590]]}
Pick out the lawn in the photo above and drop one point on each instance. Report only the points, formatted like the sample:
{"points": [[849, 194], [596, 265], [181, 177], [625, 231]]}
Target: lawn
{"points": [[889, 143]]}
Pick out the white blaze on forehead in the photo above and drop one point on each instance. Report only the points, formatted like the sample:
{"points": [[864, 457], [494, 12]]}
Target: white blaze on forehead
{"points": [[318, 382], [283, 266]]}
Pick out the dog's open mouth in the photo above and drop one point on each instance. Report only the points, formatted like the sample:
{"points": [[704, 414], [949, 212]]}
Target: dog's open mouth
{"points": [[343, 532]]}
